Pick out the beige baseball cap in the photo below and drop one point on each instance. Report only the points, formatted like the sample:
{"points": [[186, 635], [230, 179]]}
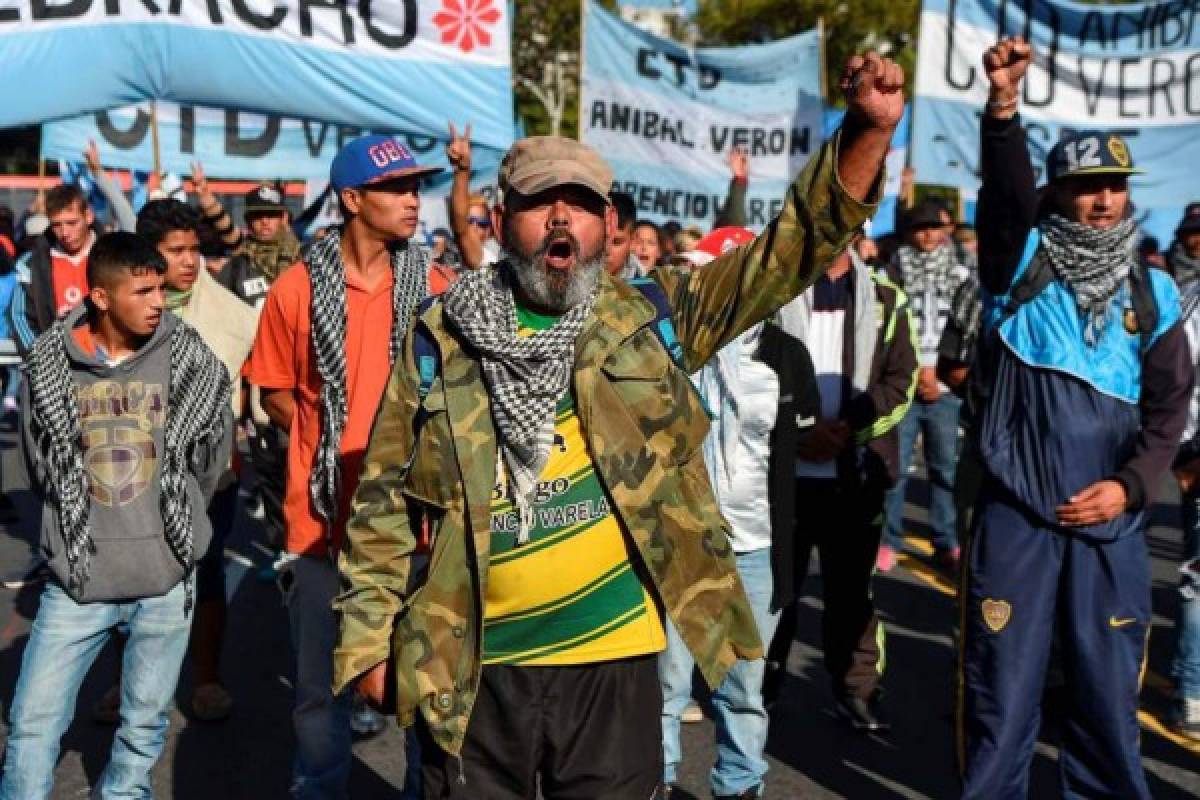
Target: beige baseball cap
{"points": [[537, 163]]}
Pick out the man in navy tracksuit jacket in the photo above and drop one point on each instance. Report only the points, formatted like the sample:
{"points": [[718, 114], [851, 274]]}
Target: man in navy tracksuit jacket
{"points": [[1087, 381]]}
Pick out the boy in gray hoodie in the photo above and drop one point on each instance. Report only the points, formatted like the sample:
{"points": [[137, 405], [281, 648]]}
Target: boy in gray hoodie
{"points": [[126, 428]]}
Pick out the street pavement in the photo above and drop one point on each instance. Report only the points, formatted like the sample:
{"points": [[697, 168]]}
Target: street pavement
{"points": [[812, 753]]}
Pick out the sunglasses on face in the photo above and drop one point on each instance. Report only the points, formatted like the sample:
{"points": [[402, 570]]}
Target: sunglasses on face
{"points": [[480, 222]]}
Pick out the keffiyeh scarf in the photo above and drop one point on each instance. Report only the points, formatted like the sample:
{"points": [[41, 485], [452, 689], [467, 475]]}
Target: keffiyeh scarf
{"points": [[921, 271], [525, 375], [197, 398], [273, 256], [1092, 262], [327, 274], [1184, 268]]}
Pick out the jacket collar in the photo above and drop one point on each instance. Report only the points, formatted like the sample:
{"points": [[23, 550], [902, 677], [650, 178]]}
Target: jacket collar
{"points": [[619, 312]]}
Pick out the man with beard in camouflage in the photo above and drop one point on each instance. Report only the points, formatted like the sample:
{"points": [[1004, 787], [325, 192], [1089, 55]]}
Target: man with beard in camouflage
{"points": [[541, 436]]}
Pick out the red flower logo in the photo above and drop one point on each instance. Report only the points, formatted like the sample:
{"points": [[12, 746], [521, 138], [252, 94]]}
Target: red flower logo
{"points": [[465, 23]]}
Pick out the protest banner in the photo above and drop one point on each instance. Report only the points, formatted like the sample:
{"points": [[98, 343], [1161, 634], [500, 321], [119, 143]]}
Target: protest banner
{"points": [[666, 117], [399, 65], [1133, 68], [232, 143]]}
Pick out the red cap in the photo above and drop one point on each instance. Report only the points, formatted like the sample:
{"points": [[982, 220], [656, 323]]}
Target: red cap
{"points": [[716, 244]]}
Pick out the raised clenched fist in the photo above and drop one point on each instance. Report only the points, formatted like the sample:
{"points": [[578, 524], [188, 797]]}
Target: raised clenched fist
{"points": [[874, 90], [1005, 64]]}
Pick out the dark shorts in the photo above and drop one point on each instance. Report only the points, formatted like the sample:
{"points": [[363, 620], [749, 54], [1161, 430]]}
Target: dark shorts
{"points": [[590, 732]]}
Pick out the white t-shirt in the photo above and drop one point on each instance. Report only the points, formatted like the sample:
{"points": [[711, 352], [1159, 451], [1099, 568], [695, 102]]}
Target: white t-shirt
{"points": [[747, 505], [826, 335]]}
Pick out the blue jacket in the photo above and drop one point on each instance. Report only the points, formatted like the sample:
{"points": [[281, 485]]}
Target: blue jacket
{"points": [[1062, 414]]}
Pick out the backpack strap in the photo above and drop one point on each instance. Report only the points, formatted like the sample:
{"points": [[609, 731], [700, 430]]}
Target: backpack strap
{"points": [[1145, 308], [663, 325], [425, 352], [1037, 275], [427, 357]]}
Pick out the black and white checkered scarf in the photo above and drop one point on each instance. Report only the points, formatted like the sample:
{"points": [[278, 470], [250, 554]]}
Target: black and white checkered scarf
{"points": [[932, 270], [1092, 262], [525, 375], [327, 274], [196, 401], [966, 312], [1184, 268]]}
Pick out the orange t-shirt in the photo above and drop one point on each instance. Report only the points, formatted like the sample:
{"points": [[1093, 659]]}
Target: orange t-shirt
{"points": [[283, 358]]}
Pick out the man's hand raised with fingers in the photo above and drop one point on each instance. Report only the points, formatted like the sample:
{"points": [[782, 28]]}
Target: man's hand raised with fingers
{"points": [[458, 151]]}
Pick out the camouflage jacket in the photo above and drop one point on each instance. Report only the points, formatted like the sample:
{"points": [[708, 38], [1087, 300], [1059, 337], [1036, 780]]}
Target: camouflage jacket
{"points": [[644, 424]]}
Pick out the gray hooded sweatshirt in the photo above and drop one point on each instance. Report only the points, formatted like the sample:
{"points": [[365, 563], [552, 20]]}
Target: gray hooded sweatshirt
{"points": [[123, 413]]}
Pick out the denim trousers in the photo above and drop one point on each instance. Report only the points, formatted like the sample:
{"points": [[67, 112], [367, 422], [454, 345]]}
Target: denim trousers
{"points": [[741, 717], [1186, 666], [321, 720], [938, 424], [65, 641]]}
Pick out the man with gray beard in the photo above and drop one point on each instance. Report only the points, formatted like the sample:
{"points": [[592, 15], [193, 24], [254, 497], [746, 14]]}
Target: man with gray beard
{"points": [[541, 442]]}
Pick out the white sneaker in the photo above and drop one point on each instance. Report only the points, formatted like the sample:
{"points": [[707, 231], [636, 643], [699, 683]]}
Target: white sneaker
{"points": [[1187, 717]]}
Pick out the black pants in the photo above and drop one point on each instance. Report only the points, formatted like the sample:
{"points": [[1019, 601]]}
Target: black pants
{"points": [[268, 454], [589, 732], [844, 525]]}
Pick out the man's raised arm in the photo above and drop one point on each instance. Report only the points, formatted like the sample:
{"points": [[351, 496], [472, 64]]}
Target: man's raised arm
{"points": [[824, 206]]}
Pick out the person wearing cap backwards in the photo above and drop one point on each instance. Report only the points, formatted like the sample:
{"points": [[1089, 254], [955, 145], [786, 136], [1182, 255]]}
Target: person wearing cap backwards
{"points": [[542, 433], [1088, 379], [329, 334]]}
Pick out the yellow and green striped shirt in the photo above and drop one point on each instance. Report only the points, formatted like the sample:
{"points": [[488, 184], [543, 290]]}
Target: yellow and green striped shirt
{"points": [[570, 595]]}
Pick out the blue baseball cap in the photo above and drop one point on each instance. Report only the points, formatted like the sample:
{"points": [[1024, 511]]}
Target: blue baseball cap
{"points": [[1090, 153], [371, 159]]}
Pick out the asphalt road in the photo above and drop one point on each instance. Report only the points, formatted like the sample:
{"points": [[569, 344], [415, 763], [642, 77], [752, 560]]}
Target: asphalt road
{"points": [[812, 754]]}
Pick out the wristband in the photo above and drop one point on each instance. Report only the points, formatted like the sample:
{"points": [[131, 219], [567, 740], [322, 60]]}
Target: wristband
{"points": [[1002, 105]]}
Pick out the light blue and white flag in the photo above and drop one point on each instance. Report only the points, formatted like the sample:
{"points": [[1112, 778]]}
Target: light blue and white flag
{"points": [[1133, 68], [233, 144], [391, 65], [666, 117]]}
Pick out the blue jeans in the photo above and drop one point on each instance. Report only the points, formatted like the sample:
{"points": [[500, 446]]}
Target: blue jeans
{"points": [[65, 640], [938, 424], [741, 716], [321, 720], [1186, 666]]}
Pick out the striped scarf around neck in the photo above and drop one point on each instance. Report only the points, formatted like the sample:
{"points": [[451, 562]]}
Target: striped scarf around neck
{"points": [[922, 271], [197, 397], [327, 275], [525, 375], [1185, 269], [1092, 262]]}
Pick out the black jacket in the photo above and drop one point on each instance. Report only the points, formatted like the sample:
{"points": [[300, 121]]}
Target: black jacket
{"points": [[240, 276], [887, 397], [33, 313]]}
